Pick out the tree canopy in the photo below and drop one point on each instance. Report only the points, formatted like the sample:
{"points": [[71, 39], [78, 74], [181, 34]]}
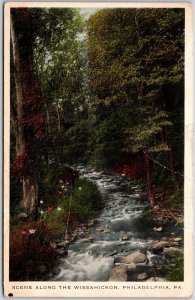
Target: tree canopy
{"points": [[110, 87]]}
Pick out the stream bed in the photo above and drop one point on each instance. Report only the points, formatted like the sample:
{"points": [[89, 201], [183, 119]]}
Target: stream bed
{"points": [[119, 230]]}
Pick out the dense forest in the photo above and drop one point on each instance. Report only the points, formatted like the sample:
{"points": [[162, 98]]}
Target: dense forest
{"points": [[106, 92]]}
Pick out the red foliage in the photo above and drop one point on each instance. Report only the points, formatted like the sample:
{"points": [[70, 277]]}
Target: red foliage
{"points": [[132, 166], [33, 119], [60, 193], [21, 163], [73, 218], [68, 176], [49, 208], [28, 252]]}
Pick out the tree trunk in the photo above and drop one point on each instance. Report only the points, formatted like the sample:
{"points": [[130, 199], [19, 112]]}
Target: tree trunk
{"points": [[58, 116], [48, 118], [30, 191], [149, 181], [170, 160], [22, 64]]}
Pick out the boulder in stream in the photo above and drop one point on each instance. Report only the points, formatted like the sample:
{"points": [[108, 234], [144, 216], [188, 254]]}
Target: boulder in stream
{"points": [[159, 279], [158, 247], [62, 244], [142, 276], [135, 257], [99, 229], [88, 240], [106, 231], [177, 239], [158, 229], [118, 273], [171, 250]]}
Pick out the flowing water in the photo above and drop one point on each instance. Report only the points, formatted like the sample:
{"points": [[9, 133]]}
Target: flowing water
{"points": [[121, 218]]}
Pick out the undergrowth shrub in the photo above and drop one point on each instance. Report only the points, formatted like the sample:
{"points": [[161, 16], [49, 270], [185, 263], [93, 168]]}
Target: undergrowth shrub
{"points": [[175, 271], [30, 240], [30, 249], [86, 199], [55, 220], [177, 199]]}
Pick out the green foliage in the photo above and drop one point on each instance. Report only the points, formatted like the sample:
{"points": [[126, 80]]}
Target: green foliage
{"points": [[145, 134], [86, 199], [132, 70], [121, 92], [177, 199], [55, 220], [59, 62], [131, 63], [48, 183], [79, 141], [146, 213], [80, 204], [108, 141], [175, 270]]}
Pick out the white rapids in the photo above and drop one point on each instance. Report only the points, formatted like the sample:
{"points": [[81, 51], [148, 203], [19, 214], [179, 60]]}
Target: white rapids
{"points": [[123, 230]]}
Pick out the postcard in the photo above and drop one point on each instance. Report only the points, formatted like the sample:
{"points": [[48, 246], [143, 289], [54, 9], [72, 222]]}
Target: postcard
{"points": [[98, 129]]}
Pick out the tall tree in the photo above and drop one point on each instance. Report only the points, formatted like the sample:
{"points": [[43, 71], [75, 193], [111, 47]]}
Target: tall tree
{"points": [[48, 45], [29, 120]]}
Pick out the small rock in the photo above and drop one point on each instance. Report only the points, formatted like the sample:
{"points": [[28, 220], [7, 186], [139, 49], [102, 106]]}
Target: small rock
{"points": [[62, 244], [88, 240], [106, 231], [62, 252], [180, 220], [91, 223], [158, 229], [23, 216], [157, 247], [171, 250], [125, 238], [53, 245], [160, 279], [142, 276], [99, 229], [177, 239], [118, 273], [135, 187]]}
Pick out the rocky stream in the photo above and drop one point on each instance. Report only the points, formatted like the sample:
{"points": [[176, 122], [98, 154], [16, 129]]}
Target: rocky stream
{"points": [[121, 244]]}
